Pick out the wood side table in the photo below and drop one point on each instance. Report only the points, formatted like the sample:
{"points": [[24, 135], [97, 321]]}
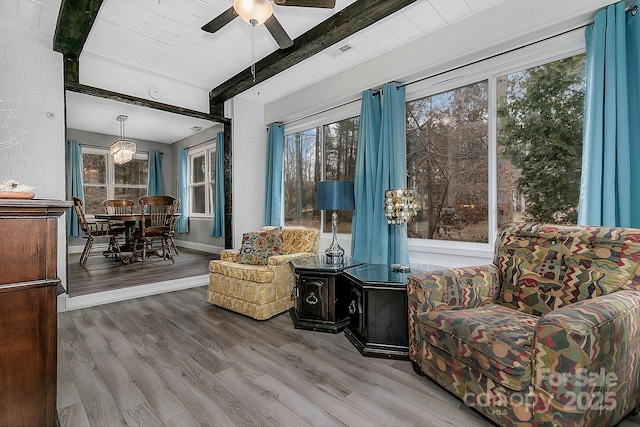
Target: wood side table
{"points": [[378, 311], [322, 294]]}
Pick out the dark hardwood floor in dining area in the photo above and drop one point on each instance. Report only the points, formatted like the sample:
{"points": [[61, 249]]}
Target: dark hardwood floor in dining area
{"points": [[106, 273]]}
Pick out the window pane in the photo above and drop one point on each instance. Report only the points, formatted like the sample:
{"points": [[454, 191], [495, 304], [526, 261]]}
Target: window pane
{"points": [[212, 165], [130, 193], [447, 155], [540, 116], [134, 172], [93, 198], [301, 171], [198, 171], [340, 143], [197, 199], [94, 168]]}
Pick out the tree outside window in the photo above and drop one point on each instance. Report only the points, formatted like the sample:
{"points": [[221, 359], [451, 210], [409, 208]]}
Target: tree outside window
{"points": [[447, 164], [540, 122], [316, 154]]}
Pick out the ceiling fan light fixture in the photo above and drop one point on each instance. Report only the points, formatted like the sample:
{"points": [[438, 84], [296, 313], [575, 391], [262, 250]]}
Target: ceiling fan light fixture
{"points": [[253, 12]]}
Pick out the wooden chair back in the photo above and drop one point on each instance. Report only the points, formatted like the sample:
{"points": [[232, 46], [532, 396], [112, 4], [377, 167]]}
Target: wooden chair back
{"points": [[77, 207], [118, 206], [157, 215]]}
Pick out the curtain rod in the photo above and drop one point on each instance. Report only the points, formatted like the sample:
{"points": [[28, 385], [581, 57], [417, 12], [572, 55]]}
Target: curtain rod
{"points": [[633, 10]]}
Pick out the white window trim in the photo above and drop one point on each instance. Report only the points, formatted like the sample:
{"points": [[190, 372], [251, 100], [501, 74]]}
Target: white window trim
{"points": [[202, 148]]}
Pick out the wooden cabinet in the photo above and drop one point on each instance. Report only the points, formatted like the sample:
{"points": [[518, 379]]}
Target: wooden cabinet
{"points": [[322, 294], [378, 309], [28, 312]]}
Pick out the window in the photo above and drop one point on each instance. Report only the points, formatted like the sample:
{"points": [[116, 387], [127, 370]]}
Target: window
{"points": [[489, 143], [103, 179], [540, 116], [447, 164], [325, 152], [202, 175]]}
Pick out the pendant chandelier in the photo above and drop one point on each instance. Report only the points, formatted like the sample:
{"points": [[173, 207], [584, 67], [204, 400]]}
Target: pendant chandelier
{"points": [[122, 150]]}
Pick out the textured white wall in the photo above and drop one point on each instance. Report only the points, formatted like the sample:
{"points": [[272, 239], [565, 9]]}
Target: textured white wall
{"points": [[32, 74], [249, 139]]}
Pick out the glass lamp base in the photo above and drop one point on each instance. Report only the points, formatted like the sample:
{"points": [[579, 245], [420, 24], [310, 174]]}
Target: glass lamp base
{"points": [[401, 268]]}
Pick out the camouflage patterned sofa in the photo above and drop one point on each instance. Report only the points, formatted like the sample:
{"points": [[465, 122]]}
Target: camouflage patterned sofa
{"points": [[260, 290], [546, 335]]}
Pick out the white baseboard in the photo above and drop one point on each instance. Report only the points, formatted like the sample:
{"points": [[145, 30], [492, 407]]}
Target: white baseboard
{"points": [[66, 303]]}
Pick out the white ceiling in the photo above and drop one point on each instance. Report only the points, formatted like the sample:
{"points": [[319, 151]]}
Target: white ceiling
{"points": [[136, 45]]}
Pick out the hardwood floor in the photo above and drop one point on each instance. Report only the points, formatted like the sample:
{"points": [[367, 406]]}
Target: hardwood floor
{"points": [[105, 273], [173, 359]]}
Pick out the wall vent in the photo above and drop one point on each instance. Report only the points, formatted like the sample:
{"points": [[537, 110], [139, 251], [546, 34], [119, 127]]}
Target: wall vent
{"points": [[340, 50]]}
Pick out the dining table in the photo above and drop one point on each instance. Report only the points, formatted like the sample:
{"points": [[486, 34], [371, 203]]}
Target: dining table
{"points": [[130, 221]]}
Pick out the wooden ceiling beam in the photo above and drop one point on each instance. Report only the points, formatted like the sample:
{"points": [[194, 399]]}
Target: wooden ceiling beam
{"points": [[75, 19], [343, 24]]}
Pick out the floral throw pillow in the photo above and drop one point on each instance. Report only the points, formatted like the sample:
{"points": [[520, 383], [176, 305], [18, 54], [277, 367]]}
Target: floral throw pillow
{"points": [[258, 246]]}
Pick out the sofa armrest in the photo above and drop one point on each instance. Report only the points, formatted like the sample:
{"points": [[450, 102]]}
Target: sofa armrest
{"points": [[451, 288], [284, 259], [586, 360], [230, 255]]}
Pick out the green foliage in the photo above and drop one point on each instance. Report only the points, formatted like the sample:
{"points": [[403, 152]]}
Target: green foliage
{"points": [[540, 121]]}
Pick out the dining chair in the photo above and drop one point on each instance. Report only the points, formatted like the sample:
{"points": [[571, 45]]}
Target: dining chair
{"points": [[155, 225], [93, 229], [118, 206], [172, 226]]}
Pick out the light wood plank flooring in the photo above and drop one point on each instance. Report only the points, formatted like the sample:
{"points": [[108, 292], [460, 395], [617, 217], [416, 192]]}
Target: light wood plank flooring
{"points": [[104, 274], [175, 360]]}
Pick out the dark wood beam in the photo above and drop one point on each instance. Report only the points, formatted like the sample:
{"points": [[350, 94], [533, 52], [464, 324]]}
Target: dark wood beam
{"points": [[348, 21], [141, 102], [75, 20]]}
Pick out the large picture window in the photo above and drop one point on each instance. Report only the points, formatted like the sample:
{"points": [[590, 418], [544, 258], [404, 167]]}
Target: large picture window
{"points": [[502, 145], [104, 179], [320, 153], [202, 175], [447, 164]]}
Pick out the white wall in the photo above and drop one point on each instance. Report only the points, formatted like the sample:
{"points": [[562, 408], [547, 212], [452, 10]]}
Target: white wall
{"points": [[32, 74], [249, 151]]}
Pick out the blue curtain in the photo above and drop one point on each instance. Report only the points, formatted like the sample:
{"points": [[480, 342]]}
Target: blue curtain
{"points": [[363, 237], [218, 215], [380, 166], [154, 180], [75, 184], [610, 186], [182, 225], [274, 200]]}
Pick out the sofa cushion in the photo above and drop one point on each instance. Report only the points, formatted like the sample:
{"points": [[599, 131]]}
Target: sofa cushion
{"points": [[492, 339], [545, 267], [252, 273], [258, 246]]}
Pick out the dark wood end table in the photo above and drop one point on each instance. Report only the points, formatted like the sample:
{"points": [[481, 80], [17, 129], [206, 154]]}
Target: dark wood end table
{"points": [[378, 311], [322, 294]]}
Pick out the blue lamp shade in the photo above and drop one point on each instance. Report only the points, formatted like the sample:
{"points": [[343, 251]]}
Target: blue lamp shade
{"points": [[335, 196]]}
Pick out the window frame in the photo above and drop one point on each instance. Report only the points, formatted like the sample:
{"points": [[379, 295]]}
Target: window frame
{"points": [[454, 76], [208, 150], [110, 172]]}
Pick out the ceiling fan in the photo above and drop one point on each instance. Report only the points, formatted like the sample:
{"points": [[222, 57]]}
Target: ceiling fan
{"points": [[256, 12]]}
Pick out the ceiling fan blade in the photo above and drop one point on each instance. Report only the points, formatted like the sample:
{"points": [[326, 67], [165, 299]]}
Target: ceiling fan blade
{"points": [[220, 21], [325, 4], [279, 34]]}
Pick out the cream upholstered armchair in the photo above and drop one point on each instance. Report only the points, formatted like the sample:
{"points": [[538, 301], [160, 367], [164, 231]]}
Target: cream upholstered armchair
{"points": [[257, 280]]}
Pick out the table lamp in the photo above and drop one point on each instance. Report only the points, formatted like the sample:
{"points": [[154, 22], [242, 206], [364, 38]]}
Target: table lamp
{"points": [[399, 208], [334, 196]]}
